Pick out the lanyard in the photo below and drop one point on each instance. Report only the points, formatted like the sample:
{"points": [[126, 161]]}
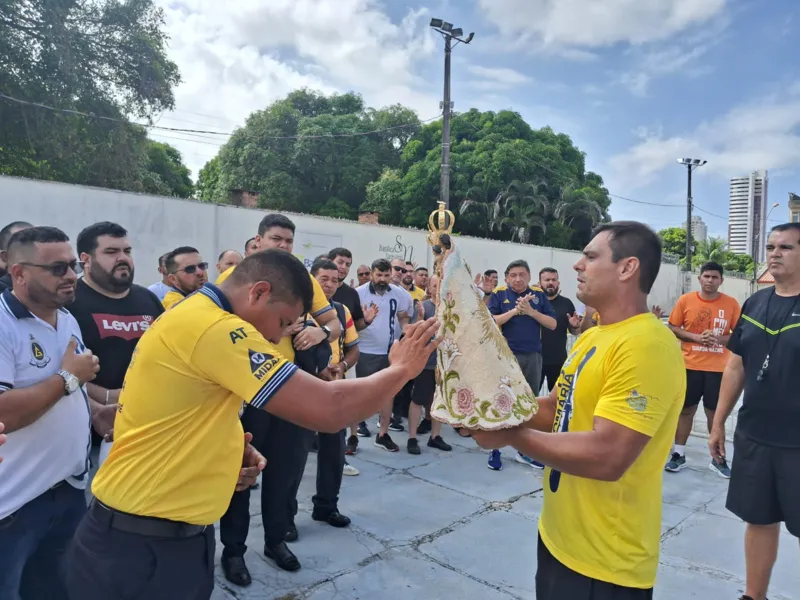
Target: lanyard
{"points": [[762, 373]]}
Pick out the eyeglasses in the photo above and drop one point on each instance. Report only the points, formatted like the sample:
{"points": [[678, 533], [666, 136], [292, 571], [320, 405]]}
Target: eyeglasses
{"points": [[401, 270], [190, 270], [58, 269], [363, 274]]}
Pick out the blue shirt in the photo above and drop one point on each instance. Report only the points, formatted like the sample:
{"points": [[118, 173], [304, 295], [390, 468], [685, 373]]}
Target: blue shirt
{"points": [[523, 333]]}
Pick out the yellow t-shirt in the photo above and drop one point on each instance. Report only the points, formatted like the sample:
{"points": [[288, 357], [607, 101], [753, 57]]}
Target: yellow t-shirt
{"points": [[348, 340], [319, 306], [417, 293], [171, 299], [178, 441], [631, 373]]}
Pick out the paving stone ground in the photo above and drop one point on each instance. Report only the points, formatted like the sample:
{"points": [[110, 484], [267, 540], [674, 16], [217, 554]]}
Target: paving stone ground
{"points": [[442, 525]]}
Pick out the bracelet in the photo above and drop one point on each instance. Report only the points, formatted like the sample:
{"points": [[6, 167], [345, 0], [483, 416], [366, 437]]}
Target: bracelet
{"points": [[107, 393]]}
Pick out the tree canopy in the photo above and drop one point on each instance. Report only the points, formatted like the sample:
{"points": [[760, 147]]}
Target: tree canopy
{"points": [[713, 249], [100, 57]]}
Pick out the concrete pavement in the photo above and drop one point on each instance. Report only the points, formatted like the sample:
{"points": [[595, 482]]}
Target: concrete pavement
{"points": [[442, 525]]}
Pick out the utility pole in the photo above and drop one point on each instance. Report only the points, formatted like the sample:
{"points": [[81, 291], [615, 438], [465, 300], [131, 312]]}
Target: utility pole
{"points": [[691, 165], [449, 34]]}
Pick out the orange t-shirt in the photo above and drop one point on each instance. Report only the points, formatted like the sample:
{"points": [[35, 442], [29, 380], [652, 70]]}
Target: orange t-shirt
{"points": [[696, 315]]}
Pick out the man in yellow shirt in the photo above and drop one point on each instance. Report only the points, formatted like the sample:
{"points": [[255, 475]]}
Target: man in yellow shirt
{"points": [[179, 444], [283, 444], [605, 429], [186, 273]]}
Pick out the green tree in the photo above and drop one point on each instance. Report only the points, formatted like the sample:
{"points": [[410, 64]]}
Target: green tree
{"points": [[713, 249], [673, 240], [165, 162], [102, 57], [207, 187]]}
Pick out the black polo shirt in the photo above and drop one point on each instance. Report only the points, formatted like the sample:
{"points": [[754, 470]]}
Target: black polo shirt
{"points": [[770, 413], [554, 343], [349, 297]]}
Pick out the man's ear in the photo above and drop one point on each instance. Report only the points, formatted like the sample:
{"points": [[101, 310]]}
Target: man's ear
{"points": [[259, 290], [4, 257]]}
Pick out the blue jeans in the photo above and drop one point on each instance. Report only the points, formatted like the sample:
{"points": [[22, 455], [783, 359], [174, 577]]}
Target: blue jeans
{"points": [[33, 541]]}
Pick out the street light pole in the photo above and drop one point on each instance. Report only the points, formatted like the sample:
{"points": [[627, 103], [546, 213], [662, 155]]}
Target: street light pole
{"points": [[449, 34], [691, 165]]}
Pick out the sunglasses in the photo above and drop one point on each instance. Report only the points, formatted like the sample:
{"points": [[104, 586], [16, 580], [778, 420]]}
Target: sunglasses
{"points": [[190, 270], [58, 269], [401, 270], [363, 274]]}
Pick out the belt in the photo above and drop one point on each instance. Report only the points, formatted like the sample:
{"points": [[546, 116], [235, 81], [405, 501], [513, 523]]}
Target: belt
{"points": [[147, 526]]}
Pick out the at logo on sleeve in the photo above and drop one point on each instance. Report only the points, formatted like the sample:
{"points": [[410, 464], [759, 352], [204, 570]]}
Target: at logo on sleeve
{"points": [[261, 364], [637, 401]]}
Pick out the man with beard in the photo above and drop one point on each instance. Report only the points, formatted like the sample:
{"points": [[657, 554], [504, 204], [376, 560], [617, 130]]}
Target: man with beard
{"points": [[186, 273], [112, 312], [5, 234], [554, 341], [43, 368]]}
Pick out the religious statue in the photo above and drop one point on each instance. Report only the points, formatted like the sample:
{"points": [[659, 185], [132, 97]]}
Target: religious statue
{"points": [[479, 384]]}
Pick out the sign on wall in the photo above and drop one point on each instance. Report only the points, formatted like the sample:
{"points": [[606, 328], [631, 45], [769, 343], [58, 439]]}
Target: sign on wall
{"points": [[308, 246]]}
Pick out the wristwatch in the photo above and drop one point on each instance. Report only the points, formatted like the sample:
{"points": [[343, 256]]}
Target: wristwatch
{"points": [[327, 331], [71, 383]]}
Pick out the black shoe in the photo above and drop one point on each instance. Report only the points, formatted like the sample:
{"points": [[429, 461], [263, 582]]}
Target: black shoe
{"points": [[236, 571], [438, 443], [396, 424], [363, 431], [352, 446], [385, 442], [333, 518], [291, 535], [282, 556], [413, 446], [424, 427]]}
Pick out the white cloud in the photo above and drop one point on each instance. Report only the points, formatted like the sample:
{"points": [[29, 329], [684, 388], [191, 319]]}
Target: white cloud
{"points": [[596, 24], [500, 75], [763, 134], [239, 57]]}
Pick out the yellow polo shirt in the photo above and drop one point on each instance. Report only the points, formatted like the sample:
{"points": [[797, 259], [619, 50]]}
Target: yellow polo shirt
{"points": [[345, 341], [178, 441], [171, 298], [417, 293], [319, 306]]}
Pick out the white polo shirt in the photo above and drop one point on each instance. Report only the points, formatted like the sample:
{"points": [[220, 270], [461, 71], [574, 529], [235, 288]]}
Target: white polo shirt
{"points": [[385, 329], [56, 446]]}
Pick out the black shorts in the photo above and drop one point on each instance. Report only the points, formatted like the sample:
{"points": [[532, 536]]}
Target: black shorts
{"points": [[554, 581], [551, 373], [702, 384], [369, 364], [424, 387], [765, 484]]}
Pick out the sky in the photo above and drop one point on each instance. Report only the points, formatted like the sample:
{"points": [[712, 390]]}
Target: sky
{"points": [[636, 84]]}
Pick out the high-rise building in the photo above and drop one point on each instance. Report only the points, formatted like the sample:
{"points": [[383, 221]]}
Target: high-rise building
{"points": [[699, 229], [794, 208], [747, 217]]}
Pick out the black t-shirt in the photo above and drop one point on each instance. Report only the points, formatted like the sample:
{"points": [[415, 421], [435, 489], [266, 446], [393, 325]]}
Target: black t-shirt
{"points": [[111, 327], [349, 297], [770, 412], [554, 343]]}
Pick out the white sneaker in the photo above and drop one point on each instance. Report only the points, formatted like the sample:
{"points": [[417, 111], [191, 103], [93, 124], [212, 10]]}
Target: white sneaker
{"points": [[350, 470]]}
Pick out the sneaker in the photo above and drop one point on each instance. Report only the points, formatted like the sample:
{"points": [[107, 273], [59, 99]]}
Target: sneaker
{"points": [[350, 470], [385, 442], [528, 461], [495, 463], [676, 463], [438, 443], [721, 468], [413, 446], [396, 424], [363, 430], [352, 446], [424, 427]]}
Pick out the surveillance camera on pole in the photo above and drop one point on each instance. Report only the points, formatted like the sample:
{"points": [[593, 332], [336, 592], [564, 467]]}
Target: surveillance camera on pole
{"points": [[691, 165], [449, 34]]}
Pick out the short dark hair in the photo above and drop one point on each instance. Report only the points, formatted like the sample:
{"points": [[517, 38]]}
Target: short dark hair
{"points": [[547, 270], [224, 252], [247, 243], [162, 260], [336, 252], [518, 263], [712, 266], [87, 238], [170, 264], [778, 228], [5, 232], [275, 220], [323, 264], [381, 264], [418, 269], [489, 272], [285, 273], [633, 239], [25, 238]]}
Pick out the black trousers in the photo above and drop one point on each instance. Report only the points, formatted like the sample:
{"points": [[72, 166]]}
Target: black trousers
{"points": [[554, 581], [330, 465], [107, 564], [285, 446], [551, 373], [402, 401]]}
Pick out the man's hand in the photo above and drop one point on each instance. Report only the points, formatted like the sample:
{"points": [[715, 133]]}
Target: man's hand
{"points": [[252, 464], [656, 310], [574, 320], [716, 442], [412, 352], [336, 371], [524, 306], [84, 366], [483, 284], [109, 437], [420, 311], [2, 438], [103, 418], [370, 312], [309, 337], [493, 440], [709, 338], [326, 374]]}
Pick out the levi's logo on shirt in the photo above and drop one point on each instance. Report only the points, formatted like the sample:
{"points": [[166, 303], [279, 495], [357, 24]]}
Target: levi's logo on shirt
{"points": [[126, 327]]}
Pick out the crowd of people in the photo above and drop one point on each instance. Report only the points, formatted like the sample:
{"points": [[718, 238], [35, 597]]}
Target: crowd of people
{"points": [[236, 381]]}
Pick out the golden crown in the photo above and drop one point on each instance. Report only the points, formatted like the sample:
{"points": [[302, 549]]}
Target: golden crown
{"points": [[441, 221]]}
